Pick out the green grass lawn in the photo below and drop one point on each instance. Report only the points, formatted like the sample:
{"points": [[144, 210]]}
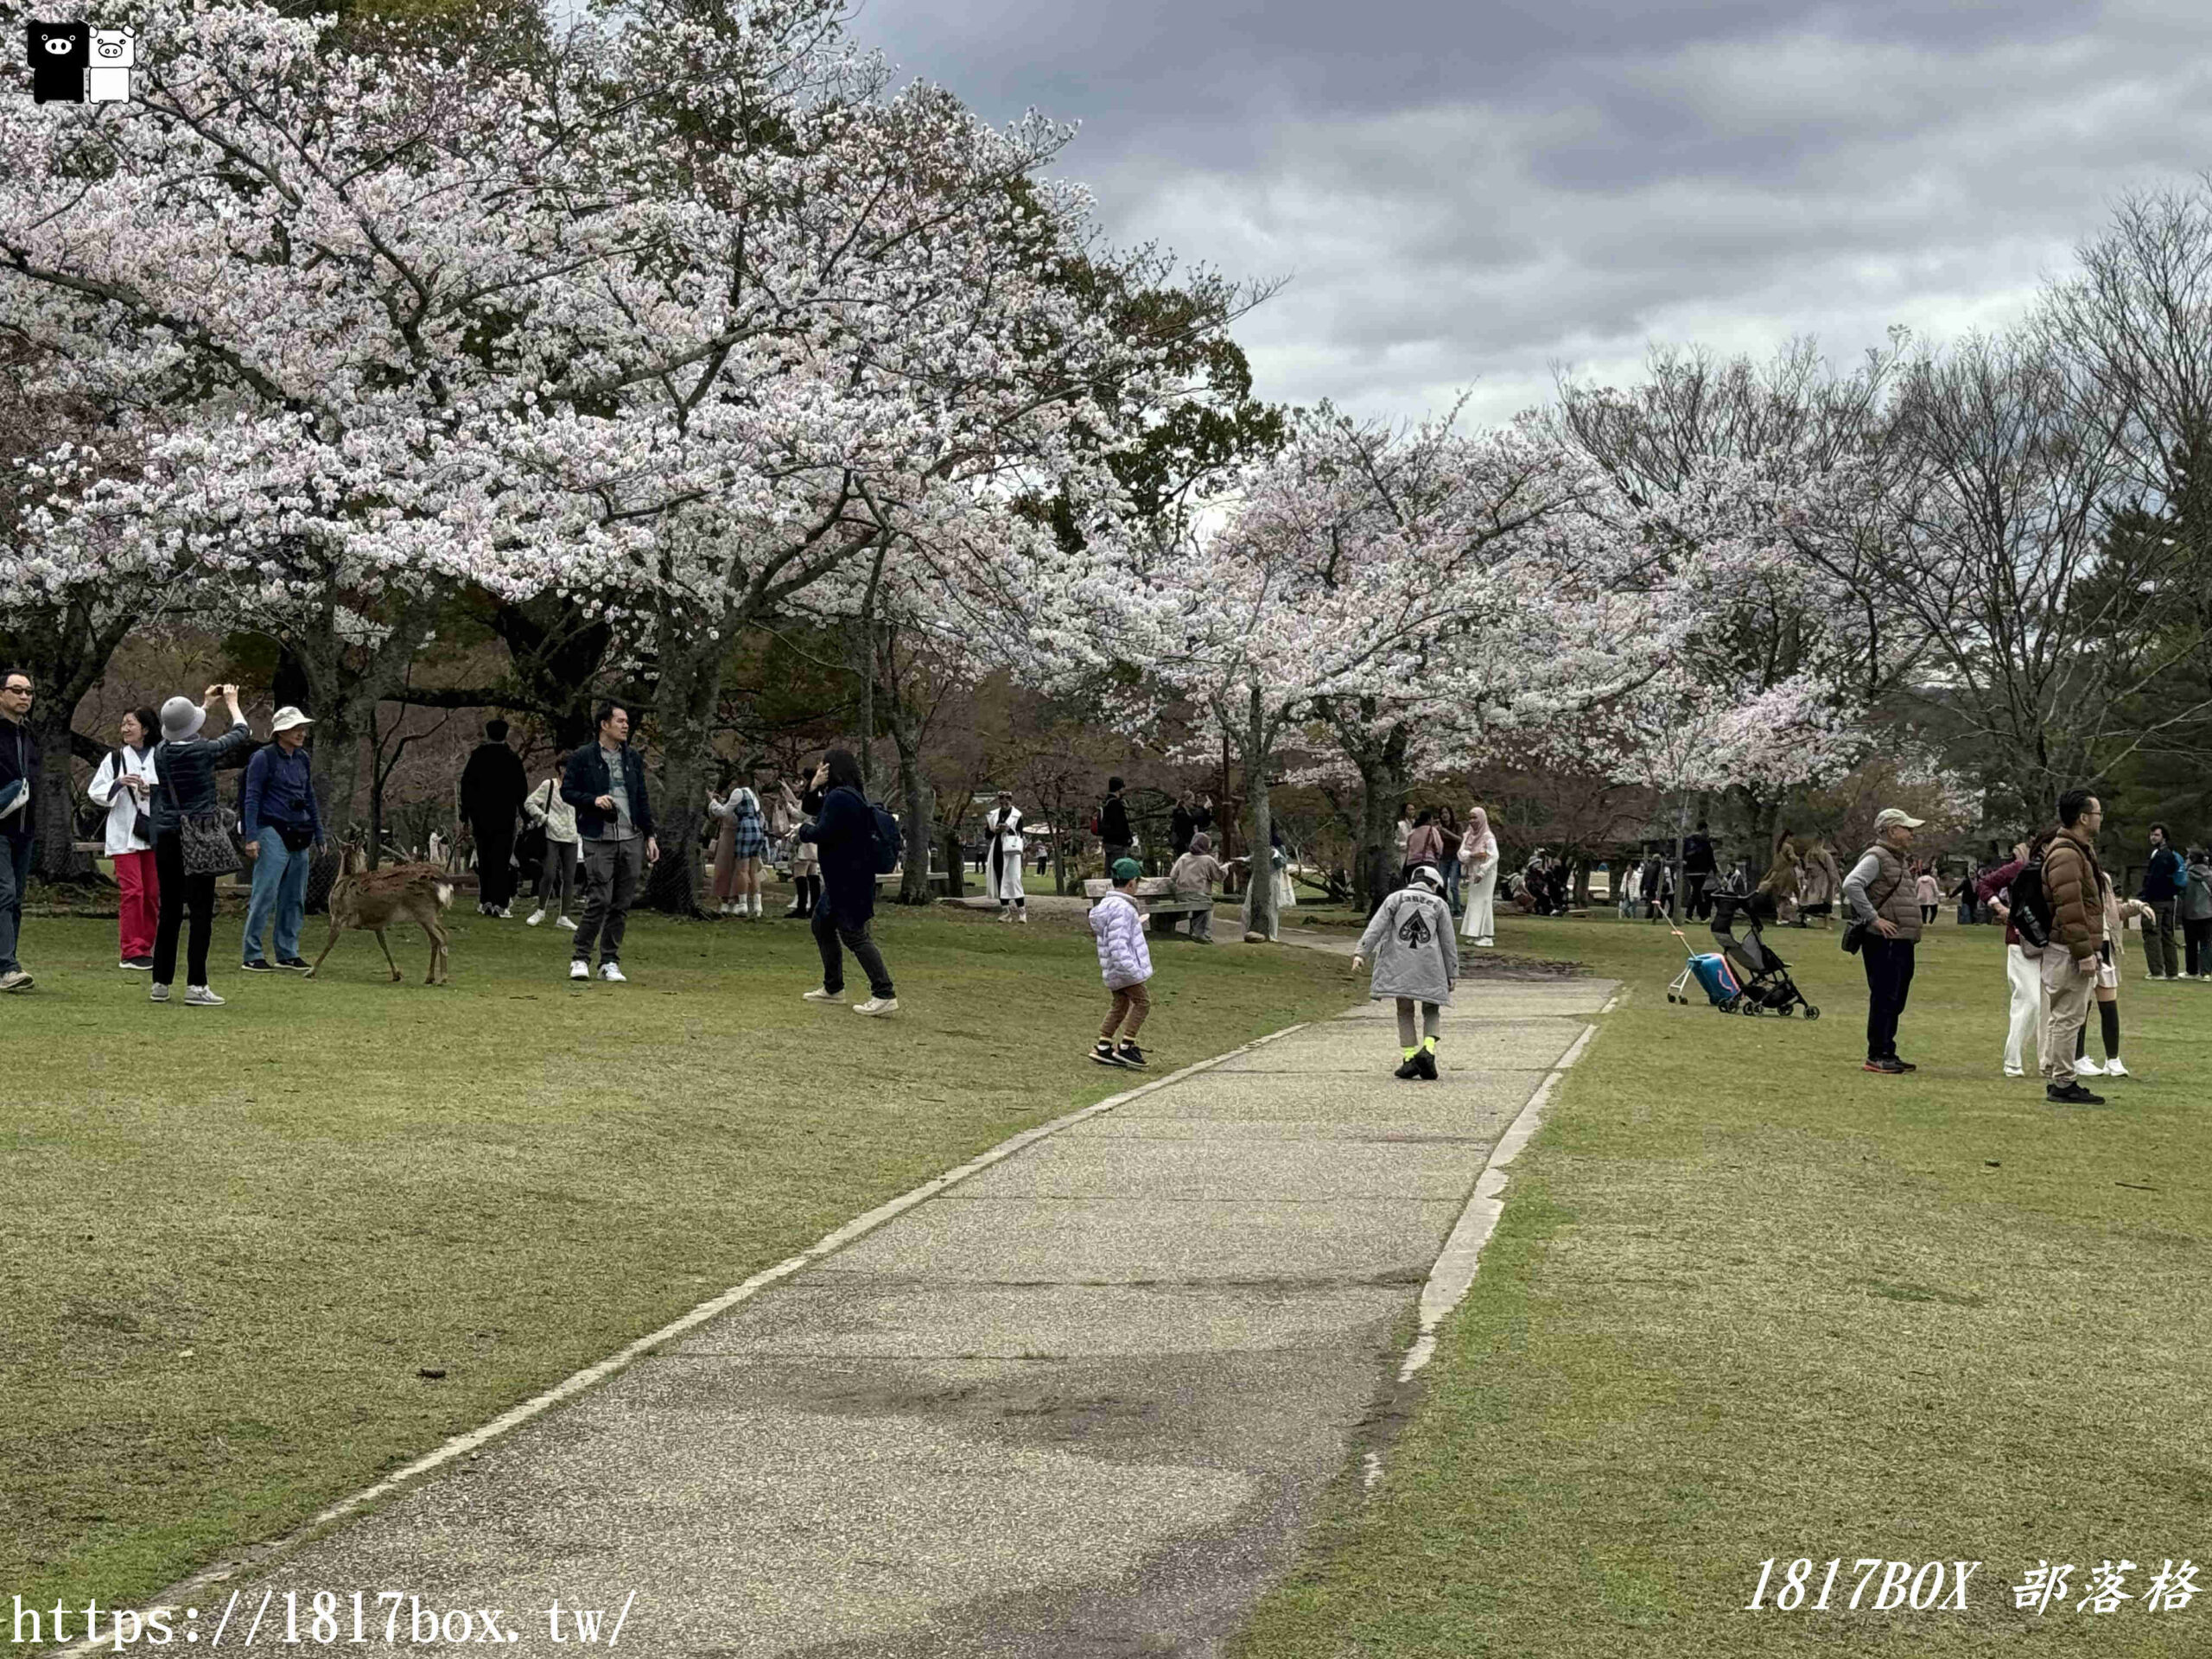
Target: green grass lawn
{"points": [[232, 1239], [1747, 1300]]}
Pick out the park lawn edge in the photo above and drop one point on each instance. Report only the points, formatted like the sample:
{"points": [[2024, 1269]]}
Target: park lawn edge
{"points": [[1738, 1308], [129, 1557]]}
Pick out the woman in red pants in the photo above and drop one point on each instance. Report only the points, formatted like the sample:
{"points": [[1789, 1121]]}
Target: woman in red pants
{"points": [[120, 784]]}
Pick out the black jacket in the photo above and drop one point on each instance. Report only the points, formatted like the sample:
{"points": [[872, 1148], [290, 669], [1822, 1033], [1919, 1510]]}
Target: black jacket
{"points": [[587, 779], [1113, 823], [18, 759], [1183, 824], [186, 773], [492, 784], [1697, 855], [845, 837]]}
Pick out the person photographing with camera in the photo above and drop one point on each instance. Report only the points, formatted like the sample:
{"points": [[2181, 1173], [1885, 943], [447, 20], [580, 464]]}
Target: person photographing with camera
{"points": [[191, 846]]}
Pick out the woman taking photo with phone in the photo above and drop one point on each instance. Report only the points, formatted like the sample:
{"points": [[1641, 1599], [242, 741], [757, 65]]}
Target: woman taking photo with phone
{"points": [[185, 811]]}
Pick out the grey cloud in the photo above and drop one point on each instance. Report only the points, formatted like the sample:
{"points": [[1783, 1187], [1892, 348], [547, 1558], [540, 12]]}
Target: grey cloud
{"points": [[1467, 194]]}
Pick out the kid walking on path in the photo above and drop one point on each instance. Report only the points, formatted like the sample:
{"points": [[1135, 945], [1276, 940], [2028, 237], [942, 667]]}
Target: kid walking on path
{"points": [[1125, 962], [1416, 960]]}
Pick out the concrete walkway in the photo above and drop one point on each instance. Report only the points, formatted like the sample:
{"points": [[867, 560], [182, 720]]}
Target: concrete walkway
{"points": [[1079, 1404]]}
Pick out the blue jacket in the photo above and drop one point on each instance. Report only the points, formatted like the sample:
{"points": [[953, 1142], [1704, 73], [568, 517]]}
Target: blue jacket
{"points": [[278, 791], [845, 837], [587, 779], [2166, 876]]}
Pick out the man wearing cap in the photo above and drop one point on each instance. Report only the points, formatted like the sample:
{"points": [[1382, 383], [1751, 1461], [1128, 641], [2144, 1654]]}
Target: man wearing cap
{"points": [[282, 828], [1002, 865], [1884, 901]]}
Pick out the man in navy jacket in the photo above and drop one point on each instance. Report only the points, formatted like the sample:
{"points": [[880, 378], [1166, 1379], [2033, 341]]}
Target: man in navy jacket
{"points": [[605, 783], [845, 833], [2163, 885]]}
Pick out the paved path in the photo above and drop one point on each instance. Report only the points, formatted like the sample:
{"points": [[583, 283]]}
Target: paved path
{"points": [[1079, 1404]]}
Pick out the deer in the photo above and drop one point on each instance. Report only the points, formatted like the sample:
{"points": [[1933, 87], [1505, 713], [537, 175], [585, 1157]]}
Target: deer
{"points": [[374, 899]]}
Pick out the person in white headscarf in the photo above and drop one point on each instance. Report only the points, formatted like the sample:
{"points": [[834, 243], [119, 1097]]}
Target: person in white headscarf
{"points": [[1478, 868], [1003, 862]]}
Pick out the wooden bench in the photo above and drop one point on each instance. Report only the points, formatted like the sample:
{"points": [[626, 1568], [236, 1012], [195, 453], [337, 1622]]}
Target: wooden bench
{"points": [[939, 880], [1155, 896]]}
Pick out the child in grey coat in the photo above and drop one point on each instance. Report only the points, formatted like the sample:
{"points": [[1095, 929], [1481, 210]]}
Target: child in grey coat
{"points": [[1416, 960]]}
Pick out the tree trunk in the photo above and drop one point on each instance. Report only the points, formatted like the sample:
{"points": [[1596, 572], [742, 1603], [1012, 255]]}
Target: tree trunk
{"points": [[955, 867], [344, 685], [686, 699], [66, 650], [1259, 822], [555, 653], [1383, 780], [919, 829]]}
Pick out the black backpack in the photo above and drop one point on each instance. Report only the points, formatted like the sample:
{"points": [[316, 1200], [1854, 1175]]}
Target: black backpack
{"points": [[888, 842], [2029, 907]]}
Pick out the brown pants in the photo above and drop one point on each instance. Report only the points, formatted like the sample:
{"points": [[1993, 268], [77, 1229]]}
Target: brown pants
{"points": [[1131, 1004]]}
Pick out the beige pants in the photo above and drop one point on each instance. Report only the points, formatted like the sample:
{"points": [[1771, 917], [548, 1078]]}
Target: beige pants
{"points": [[2067, 990]]}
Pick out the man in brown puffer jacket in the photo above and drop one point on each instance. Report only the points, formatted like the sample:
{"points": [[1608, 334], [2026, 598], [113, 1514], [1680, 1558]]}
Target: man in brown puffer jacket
{"points": [[2073, 886]]}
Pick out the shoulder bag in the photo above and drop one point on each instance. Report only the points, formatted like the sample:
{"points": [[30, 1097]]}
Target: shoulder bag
{"points": [[1855, 932], [206, 845]]}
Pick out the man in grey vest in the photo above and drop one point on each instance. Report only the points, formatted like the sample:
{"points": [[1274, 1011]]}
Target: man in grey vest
{"points": [[1880, 893]]}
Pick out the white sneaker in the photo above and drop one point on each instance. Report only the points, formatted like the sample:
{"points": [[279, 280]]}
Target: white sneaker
{"points": [[2014, 1071], [2086, 1067], [563, 921], [1021, 916], [535, 917], [2114, 1069], [612, 973], [1005, 915], [579, 969], [877, 1005], [199, 997], [158, 993], [817, 995]]}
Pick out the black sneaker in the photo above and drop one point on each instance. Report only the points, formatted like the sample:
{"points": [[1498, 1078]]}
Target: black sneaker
{"points": [[1103, 1051], [139, 965], [2072, 1095], [1411, 1069], [1887, 1067], [297, 964], [257, 966], [1902, 1065], [1425, 1061], [1130, 1055]]}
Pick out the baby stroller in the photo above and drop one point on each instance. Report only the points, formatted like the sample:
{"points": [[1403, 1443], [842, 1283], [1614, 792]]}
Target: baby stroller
{"points": [[1744, 976]]}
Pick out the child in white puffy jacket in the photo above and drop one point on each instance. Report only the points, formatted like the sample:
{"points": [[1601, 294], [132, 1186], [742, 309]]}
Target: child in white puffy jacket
{"points": [[1125, 962]]}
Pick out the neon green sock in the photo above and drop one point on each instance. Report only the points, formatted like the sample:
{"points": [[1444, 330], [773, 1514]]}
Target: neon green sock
{"points": [[1429, 1043], [1410, 1052]]}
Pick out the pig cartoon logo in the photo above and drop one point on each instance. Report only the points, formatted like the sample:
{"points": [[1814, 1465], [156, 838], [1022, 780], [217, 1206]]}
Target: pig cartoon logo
{"points": [[60, 55], [114, 53]]}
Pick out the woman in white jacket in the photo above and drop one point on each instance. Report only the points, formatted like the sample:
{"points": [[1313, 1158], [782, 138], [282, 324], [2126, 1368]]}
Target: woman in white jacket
{"points": [[120, 784], [556, 872], [1478, 878]]}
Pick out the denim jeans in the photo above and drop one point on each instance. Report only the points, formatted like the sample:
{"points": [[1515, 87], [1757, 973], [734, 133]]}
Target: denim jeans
{"points": [[15, 870], [1452, 883], [280, 887]]}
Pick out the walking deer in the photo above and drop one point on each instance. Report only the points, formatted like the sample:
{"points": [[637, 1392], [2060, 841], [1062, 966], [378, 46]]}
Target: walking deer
{"points": [[374, 899]]}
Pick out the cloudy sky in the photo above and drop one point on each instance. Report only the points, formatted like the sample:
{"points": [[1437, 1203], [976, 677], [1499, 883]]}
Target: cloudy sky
{"points": [[1463, 195]]}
